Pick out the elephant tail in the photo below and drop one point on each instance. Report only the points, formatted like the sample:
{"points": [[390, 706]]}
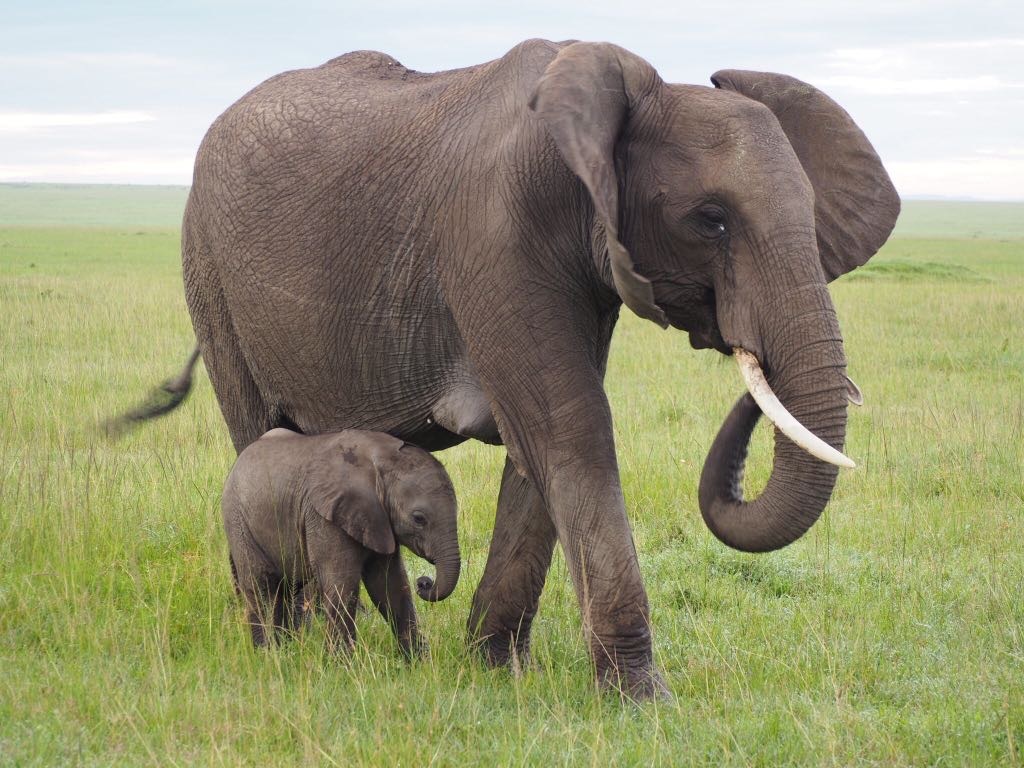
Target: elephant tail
{"points": [[161, 401]]}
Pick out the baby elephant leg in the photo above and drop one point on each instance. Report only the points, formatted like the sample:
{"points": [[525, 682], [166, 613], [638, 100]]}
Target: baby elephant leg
{"points": [[304, 605], [388, 587], [340, 597], [263, 592], [337, 562]]}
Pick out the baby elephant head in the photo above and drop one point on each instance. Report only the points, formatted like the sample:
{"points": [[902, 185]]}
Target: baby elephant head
{"points": [[421, 501], [379, 489]]}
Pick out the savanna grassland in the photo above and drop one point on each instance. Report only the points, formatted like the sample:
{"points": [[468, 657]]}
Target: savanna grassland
{"points": [[892, 634]]}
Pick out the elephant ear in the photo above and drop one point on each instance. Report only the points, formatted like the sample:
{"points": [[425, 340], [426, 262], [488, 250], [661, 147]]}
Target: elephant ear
{"points": [[584, 98], [855, 203], [348, 495]]}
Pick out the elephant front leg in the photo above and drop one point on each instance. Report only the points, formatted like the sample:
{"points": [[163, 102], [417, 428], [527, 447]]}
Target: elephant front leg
{"points": [[539, 352], [568, 451], [506, 599], [387, 584], [598, 545], [340, 598], [337, 562]]}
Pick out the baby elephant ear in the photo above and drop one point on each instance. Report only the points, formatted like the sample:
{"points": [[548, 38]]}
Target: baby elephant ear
{"points": [[855, 203], [584, 99], [346, 494]]}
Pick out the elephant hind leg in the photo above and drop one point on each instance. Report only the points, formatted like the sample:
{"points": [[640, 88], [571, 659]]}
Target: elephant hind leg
{"points": [[262, 589], [245, 410], [508, 594], [264, 601]]}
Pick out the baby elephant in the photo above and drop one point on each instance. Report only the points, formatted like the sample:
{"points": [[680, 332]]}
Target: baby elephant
{"points": [[327, 509]]}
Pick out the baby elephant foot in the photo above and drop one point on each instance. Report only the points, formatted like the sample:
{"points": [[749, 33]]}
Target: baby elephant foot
{"points": [[260, 638], [301, 615], [263, 636]]}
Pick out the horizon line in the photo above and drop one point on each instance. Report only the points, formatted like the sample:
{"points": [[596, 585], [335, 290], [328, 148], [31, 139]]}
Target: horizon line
{"points": [[923, 198]]}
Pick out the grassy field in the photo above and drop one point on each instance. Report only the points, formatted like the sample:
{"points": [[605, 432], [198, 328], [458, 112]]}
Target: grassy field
{"points": [[892, 634], [92, 206]]}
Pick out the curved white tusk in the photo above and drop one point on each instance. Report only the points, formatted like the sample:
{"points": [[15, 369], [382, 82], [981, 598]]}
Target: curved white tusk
{"points": [[776, 412], [853, 392]]}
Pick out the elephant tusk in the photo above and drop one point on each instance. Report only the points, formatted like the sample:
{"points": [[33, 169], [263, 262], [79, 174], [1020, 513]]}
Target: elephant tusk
{"points": [[776, 412], [853, 392]]}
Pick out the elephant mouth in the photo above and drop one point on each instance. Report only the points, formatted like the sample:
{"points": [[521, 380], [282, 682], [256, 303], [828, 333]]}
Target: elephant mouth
{"points": [[689, 307], [704, 338]]}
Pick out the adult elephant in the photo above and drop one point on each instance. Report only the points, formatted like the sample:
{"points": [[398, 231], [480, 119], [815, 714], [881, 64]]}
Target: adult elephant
{"points": [[443, 256]]}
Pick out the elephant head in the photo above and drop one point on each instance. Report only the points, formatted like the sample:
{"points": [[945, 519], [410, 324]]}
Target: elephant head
{"points": [[725, 212], [421, 502]]}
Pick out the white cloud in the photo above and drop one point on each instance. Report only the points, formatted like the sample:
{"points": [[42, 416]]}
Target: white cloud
{"points": [[990, 176], [30, 121], [877, 56], [926, 68], [1007, 152], [104, 168], [917, 86], [101, 59], [995, 42]]}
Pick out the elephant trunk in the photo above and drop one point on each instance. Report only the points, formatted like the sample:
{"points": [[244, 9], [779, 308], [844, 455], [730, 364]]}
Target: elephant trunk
{"points": [[447, 570], [808, 377]]}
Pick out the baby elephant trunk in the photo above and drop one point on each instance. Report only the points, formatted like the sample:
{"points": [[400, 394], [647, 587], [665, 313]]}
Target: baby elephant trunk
{"points": [[447, 567]]}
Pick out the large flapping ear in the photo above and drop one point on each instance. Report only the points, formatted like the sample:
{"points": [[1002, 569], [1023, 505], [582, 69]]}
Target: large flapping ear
{"points": [[584, 98], [346, 494], [855, 203]]}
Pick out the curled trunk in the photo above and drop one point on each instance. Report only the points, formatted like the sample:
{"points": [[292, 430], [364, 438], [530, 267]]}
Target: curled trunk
{"points": [[809, 380], [797, 492], [447, 577]]}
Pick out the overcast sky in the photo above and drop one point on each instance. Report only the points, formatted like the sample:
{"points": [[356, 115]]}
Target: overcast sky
{"points": [[123, 91]]}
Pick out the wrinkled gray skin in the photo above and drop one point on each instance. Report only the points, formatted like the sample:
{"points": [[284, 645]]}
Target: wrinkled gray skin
{"points": [[443, 256], [329, 510]]}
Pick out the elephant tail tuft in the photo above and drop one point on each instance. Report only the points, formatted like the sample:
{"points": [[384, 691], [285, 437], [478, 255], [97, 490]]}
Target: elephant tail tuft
{"points": [[161, 401]]}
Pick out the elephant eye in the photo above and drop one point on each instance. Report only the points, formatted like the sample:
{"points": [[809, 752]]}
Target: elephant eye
{"points": [[419, 519], [711, 221]]}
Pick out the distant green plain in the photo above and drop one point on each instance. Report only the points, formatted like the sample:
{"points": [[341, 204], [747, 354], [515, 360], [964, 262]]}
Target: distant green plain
{"points": [[115, 206], [891, 634]]}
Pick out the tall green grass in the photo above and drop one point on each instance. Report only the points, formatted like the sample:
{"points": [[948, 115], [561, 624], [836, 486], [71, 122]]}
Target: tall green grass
{"points": [[893, 633]]}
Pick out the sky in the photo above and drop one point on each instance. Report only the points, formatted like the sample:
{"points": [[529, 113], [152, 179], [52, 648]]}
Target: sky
{"points": [[122, 92]]}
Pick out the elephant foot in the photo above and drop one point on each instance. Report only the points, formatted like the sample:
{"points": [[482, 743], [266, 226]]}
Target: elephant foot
{"points": [[626, 667], [503, 640], [636, 685], [414, 650], [504, 649]]}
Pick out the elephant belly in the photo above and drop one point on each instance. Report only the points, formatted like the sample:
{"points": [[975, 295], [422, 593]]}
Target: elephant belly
{"points": [[464, 410]]}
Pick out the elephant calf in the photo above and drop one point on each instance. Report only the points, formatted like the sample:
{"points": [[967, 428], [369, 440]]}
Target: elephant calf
{"points": [[330, 510]]}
